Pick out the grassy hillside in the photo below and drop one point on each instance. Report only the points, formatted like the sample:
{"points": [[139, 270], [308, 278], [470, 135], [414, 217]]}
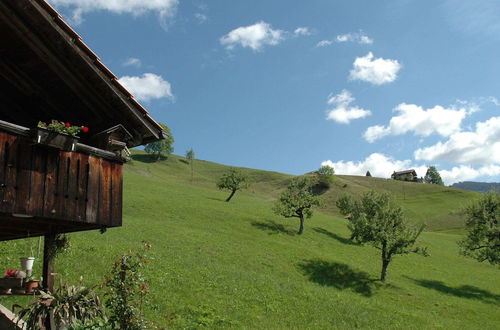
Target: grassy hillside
{"points": [[236, 265]]}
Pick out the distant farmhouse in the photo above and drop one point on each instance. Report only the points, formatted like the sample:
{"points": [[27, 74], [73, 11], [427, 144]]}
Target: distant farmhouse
{"points": [[407, 175]]}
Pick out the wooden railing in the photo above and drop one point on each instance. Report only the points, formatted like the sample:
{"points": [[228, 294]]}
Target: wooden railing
{"points": [[37, 182]]}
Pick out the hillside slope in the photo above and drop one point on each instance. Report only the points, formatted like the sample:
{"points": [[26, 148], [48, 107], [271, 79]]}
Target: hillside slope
{"points": [[237, 265], [436, 206]]}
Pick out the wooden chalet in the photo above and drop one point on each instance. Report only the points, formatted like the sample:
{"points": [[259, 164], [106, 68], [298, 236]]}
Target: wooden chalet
{"points": [[407, 175], [47, 72]]}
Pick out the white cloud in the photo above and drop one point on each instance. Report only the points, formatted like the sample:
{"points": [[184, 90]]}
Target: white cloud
{"points": [[382, 166], [378, 164], [202, 18], [342, 111], [423, 122], [302, 31], [132, 61], [252, 36], [324, 43], [481, 146], [358, 37], [164, 8], [147, 87], [466, 173], [377, 71]]}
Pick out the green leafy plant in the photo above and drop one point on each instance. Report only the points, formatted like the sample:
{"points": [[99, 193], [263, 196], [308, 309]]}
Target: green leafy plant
{"points": [[161, 148], [483, 229], [233, 180], [127, 289], [376, 220], [62, 127], [297, 201], [69, 304]]}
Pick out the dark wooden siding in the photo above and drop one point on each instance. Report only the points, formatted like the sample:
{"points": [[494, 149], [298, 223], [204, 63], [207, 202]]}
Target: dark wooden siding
{"points": [[45, 183]]}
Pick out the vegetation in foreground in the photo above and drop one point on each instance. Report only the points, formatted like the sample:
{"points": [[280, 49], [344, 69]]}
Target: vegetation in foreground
{"points": [[234, 265]]}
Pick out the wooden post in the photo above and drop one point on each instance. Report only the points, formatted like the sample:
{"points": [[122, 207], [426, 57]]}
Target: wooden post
{"points": [[48, 262], [48, 269]]}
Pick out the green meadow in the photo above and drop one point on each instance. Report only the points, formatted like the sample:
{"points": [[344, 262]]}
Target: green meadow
{"points": [[237, 265]]}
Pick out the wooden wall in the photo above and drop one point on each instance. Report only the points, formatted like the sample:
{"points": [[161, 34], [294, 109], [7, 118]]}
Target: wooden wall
{"points": [[45, 183]]}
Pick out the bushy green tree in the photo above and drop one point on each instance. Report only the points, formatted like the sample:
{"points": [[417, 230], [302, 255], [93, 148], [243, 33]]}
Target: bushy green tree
{"points": [[432, 176], [233, 180], [483, 225], [297, 201], [325, 176], [163, 147], [374, 219]]}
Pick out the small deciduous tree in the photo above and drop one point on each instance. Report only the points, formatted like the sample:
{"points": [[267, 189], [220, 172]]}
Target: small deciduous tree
{"points": [[483, 225], [432, 176], [163, 147], [368, 173], [325, 176], [375, 220], [233, 180], [190, 157], [297, 201]]}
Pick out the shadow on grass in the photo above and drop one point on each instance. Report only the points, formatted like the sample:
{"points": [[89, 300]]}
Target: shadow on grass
{"points": [[334, 236], [184, 161], [146, 158], [340, 276], [273, 228], [463, 291]]}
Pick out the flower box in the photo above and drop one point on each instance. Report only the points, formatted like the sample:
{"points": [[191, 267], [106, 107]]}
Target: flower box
{"points": [[53, 139]]}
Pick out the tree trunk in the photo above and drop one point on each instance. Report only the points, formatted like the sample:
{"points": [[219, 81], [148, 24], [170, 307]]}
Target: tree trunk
{"points": [[385, 264], [301, 228], [231, 196]]}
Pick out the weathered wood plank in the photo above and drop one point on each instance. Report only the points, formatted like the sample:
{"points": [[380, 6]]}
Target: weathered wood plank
{"points": [[93, 186], [104, 212], [10, 177], [37, 191], [23, 178], [72, 184], [81, 202], [116, 194], [4, 145], [51, 183]]}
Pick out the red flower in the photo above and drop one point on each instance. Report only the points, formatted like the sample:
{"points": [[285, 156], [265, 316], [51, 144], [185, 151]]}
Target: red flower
{"points": [[85, 129], [68, 125], [10, 273]]}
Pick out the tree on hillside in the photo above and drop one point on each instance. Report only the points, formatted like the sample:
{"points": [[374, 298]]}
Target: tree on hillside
{"points": [[325, 176], [374, 219], [190, 157], [368, 173], [161, 148], [297, 201], [483, 225], [233, 180], [432, 176]]}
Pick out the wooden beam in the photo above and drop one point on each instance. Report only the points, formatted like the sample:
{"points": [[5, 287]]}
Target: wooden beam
{"points": [[48, 262]]}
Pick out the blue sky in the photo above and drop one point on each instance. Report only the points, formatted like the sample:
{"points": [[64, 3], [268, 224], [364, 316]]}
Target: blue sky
{"points": [[289, 85]]}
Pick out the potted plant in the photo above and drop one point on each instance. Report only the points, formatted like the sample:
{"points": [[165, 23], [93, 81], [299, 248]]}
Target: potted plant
{"points": [[31, 284], [58, 134], [27, 262], [67, 306]]}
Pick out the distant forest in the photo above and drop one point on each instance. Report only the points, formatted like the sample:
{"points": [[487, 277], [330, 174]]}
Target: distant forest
{"points": [[478, 186]]}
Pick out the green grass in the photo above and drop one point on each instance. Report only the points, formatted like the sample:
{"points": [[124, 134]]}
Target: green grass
{"points": [[237, 265]]}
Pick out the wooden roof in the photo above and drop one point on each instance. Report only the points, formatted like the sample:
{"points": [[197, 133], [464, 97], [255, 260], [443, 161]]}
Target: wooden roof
{"points": [[47, 72], [412, 171]]}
